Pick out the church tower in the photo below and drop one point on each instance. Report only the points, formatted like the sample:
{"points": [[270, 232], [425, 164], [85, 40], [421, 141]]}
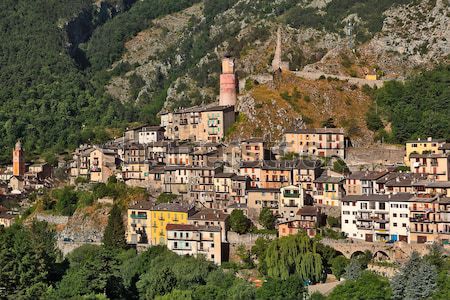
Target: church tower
{"points": [[18, 160], [228, 83]]}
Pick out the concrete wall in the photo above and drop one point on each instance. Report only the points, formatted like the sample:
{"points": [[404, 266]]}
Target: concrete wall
{"points": [[248, 239], [376, 154]]}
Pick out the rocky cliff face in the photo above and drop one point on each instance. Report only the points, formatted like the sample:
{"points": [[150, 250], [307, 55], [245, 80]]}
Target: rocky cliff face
{"points": [[183, 50], [86, 225]]}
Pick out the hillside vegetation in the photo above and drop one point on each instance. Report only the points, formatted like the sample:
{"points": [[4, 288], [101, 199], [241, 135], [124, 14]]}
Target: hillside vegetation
{"points": [[69, 72], [268, 110], [418, 108]]}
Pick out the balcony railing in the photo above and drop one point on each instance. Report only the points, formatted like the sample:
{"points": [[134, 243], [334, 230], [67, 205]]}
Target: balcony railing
{"points": [[420, 219], [288, 195], [138, 216]]}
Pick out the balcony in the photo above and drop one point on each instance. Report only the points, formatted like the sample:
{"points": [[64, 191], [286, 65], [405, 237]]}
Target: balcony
{"points": [[138, 216], [289, 195], [420, 220], [422, 231], [364, 227], [379, 220]]}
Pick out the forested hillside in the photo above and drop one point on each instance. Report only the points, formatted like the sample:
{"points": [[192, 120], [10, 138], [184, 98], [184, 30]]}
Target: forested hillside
{"points": [[45, 99], [418, 108], [69, 72]]}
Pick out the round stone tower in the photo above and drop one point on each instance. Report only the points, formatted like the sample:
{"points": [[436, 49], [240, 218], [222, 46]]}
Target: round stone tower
{"points": [[228, 83]]}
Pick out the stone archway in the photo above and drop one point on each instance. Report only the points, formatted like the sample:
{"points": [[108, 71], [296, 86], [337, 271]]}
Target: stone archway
{"points": [[356, 254], [381, 255]]}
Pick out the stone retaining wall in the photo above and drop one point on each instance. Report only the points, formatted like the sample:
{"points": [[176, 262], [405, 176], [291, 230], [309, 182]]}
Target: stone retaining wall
{"points": [[57, 220]]}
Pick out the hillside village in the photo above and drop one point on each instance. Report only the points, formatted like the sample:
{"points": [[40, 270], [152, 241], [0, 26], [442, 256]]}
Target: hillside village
{"points": [[303, 181], [225, 149]]}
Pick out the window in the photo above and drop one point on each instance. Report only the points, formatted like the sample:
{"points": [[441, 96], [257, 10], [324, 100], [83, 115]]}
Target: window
{"points": [[354, 221], [175, 245], [186, 244], [394, 215], [382, 205], [395, 224], [212, 256], [404, 225], [346, 221], [345, 212], [403, 215], [212, 245], [175, 234]]}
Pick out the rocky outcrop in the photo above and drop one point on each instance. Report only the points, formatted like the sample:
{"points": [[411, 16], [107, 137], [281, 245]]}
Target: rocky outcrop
{"points": [[86, 225]]}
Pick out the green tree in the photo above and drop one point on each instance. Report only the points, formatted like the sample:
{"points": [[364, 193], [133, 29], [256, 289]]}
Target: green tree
{"points": [[338, 265], [340, 166], [328, 123], [114, 236], [176, 295], [373, 121], [435, 256], [244, 255], [368, 286], [159, 282], [294, 255], [353, 270], [266, 218], [93, 270], [239, 222], [422, 283], [290, 288], [27, 261], [166, 198], [400, 280]]}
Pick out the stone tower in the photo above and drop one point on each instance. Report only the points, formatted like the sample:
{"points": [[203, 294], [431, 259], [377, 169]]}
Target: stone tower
{"points": [[277, 63], [228, 83], [18, 160]]}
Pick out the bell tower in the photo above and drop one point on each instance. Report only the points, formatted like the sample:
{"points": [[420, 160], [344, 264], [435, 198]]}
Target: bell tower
{"points": [[18, 160], [228, 83]]}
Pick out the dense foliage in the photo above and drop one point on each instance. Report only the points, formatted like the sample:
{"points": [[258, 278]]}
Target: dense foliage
{"points": [[368, 286], [107, 43], [417, 108], [28, 259], [266, 218], [239, 222], [64, 201], [370, 13], [294, 255], [114, 236], [44, 98]]}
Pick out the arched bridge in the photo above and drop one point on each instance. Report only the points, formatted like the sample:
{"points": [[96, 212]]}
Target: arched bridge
{"points": [[400, 251]]}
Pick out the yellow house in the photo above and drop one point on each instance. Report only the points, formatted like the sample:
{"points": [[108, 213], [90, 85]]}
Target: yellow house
{"points": [[167, 213], [420, 146], [138, 223]]}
